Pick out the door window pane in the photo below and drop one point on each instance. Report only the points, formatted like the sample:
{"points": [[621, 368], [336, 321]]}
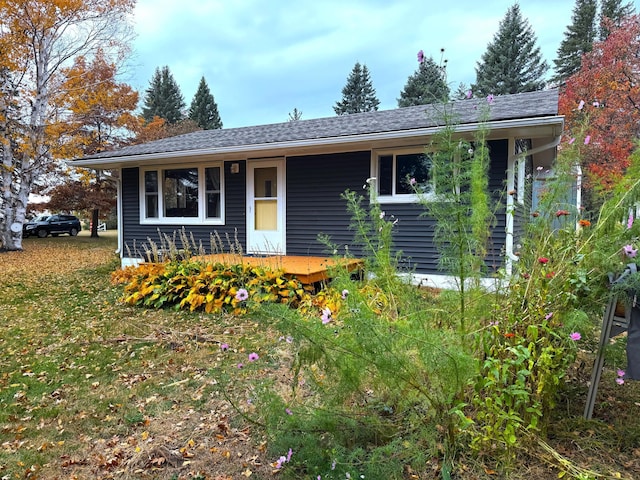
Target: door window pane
{"points": [[266, 182]]}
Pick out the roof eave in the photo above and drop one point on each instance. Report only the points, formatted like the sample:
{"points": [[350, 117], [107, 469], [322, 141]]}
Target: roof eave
{"points": [[554, 122]]}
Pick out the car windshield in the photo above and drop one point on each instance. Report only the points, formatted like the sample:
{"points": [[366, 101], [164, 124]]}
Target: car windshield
{"points": [[41, 218]]}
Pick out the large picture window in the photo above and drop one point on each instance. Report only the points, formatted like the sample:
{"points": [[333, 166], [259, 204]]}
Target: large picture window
{"points": [[397, 171], [190, 194]]}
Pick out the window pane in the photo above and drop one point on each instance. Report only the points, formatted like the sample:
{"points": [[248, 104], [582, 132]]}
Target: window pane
{"points": [[180, 192], [152, 206], [213, 205], [151, 182], [413, 165], [385, 175], [212, 179], [266, 182]]}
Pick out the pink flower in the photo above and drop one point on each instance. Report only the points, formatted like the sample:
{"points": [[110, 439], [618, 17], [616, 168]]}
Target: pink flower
{"points": [[548, 316], [575, 336], [345, 294], [620, 373], [288, 411], [242, 295], [587, 139], [224, 347], [629, 251], [326, 315], [596, 104], [630, 221], [253, 357], [240, 365], [413, 181], [469, 94], [281, 461], [490, 98], [420, 56], [571, 140], [620, 381], [581, 105], [289, 455]]}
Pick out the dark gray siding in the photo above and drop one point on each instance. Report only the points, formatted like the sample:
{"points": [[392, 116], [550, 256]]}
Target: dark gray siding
{"points": [[315, 206], [136, 236], [314, 203], [499, 154]]}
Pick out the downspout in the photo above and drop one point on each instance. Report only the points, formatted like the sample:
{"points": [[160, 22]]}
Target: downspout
{"points": [[511, 257], [120, 248]]}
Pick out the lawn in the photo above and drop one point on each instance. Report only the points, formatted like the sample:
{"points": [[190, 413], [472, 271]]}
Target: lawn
{"points": [[92, 388]]}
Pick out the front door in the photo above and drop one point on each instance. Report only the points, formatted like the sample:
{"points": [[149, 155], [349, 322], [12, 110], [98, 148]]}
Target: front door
{"points": [[265, 206]]}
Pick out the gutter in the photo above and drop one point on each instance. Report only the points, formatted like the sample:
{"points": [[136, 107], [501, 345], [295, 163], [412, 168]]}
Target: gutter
{"points": [[132, 160]]}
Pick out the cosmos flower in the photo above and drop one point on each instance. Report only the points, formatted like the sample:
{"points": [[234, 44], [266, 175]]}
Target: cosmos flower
{"points": [[629, 251], [242, 295]]}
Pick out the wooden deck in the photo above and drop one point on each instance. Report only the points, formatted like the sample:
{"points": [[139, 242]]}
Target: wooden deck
{"points": [[308, 270]]}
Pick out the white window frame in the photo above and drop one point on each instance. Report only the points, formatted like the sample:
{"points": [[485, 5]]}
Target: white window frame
{"points": [[201, 219], [397, 197]]}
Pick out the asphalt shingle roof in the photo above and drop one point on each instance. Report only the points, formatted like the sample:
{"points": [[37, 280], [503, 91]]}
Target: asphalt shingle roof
{"points": [[506, 107]]}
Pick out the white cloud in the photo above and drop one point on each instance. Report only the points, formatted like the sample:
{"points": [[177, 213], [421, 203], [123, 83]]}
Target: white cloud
{"points": [[262, 59]]}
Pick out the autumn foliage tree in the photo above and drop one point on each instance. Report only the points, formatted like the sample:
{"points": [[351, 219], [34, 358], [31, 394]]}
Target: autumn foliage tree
{"points": [[100, 117], [601, 104], [39, 39]]}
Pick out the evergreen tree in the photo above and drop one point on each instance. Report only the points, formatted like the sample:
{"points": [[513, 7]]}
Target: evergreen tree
{"points": [[203, 109], [358, 95], [463, 92], [163, 98], [512, 62], [615, 11], [427, 85], [295, 115], [578, 40]]}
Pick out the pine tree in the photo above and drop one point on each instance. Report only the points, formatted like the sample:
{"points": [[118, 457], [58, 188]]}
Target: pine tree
{"points": [[427, 85], [358, 95], [615, 11], [295, 115], [203, 109], [512, 62], [163, 98], [463, 92], [578, 40]]}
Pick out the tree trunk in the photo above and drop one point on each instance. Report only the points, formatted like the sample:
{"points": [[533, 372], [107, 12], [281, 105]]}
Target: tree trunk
{"points": [[94, 223]]}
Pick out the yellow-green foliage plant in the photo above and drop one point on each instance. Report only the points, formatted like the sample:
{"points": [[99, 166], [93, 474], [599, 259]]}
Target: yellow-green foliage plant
{"points": [[209, 287]]}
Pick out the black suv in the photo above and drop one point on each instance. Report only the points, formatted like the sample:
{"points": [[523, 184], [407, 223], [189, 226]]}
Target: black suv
{"points": [[44, 225]]}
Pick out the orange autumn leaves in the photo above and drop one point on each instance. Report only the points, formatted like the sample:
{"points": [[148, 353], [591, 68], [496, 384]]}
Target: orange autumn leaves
{"points": [[600, 103]]}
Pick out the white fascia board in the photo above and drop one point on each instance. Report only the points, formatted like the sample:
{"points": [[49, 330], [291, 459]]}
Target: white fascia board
{"points": [[556, 122]]}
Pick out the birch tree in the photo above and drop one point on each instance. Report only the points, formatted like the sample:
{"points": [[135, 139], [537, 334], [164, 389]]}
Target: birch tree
{"points": [[38, 40]]}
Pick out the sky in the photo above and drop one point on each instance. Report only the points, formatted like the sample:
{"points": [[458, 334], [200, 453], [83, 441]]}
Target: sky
{"points": [[262, 59]]}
